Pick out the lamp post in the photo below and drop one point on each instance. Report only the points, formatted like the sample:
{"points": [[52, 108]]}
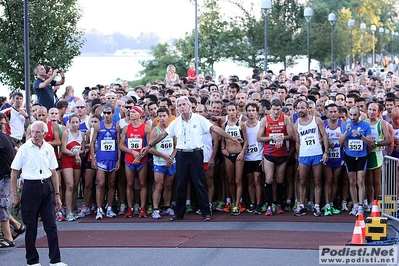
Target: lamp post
{"points": [[363, 29], [351, 24], [381, 30], [396, 35], [196, 38], [387, 47], [266, 6], [308, 14], [332, 18], [373, 28], [393, 45]]}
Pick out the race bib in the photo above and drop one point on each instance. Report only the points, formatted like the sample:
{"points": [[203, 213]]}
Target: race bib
{"points": [[134, 143], [335, 153], [252, 148], [355, 144], [108, 145], [310, 140], [166, 144], [275, 136], [75, 149]]}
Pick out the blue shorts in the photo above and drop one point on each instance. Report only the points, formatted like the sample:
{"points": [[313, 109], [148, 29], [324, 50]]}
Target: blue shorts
{"points": [[169, 171], [107, 165], [334, 164], [311, 160], [135, 167]]}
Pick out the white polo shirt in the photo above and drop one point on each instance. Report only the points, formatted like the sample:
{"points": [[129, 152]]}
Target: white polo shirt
{"points": [[189, 134], [36, 163]]}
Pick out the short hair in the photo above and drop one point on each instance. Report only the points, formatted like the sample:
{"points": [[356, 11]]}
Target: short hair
{"points": [[183, 98], [251, 104], [276, 102], [109, 106], [97, 116], [163, 109], [44, 125], [72, 116], [61, 104], [167, 100]]}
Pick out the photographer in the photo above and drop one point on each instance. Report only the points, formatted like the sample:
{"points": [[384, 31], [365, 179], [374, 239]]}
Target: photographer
{"points": [[43, 86]]}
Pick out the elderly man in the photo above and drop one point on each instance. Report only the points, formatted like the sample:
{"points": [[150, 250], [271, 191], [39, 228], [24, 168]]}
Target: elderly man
{"points": [[37, 160], [189, 157]]}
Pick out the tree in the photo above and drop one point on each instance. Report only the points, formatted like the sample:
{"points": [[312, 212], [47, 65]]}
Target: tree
{"points": [[54, 37], [155, 69]]}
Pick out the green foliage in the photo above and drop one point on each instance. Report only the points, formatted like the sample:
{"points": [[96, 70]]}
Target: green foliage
{"points": [[54, 37], [155, 69]]}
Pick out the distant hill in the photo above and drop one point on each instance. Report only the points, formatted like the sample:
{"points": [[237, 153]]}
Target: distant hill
{"points": [[102, 44]]}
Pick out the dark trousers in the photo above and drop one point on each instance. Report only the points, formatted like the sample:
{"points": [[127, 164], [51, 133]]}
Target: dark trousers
{"points": [[190, 165], [38, 198]]}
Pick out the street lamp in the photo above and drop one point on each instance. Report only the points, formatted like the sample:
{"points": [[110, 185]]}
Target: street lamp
{"points": [[332, 18], [308, 14], [266, 6], [363, 29], [387, 48], [381, 30], [396, 35], [196, 38], [373, 28], [351, 24]]}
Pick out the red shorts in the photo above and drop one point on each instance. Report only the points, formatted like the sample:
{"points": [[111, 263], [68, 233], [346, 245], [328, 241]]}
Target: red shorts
{"points": [[206, 166], [69, 162]]}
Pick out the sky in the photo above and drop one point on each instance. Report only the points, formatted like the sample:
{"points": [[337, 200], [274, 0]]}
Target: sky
{"points": [[130, 17]]}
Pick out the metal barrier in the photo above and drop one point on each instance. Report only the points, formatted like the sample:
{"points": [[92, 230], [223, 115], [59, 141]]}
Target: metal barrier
{"points": [[388, 200]]}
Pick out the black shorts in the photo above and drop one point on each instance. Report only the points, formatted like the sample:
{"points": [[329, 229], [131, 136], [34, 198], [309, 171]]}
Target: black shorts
{"points": [[252, 166], [277, 160], [354, 164]]}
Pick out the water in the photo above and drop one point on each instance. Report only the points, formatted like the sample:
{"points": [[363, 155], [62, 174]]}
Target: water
{"points": [[92, 70]]}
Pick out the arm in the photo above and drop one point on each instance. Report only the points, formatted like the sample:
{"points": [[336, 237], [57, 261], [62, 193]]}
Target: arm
{"points": [[296, 138], [343, 136], [261, 133], [222, 133], [245, 145], [323, 133], [288, 126], [153, 142], [62, 81], [57, 196], [391, 146], [154, 151], [15, 198], [386, 133], [96, 129], [48, 81], [28, 133], [118, 130], [215, 148]]}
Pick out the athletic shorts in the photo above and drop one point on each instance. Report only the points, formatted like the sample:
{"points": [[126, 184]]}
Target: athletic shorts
{"points": [[70, 163], [5, 199], [334, 164], [354, 164], [165, 170], [107, 165], [374, 160], [311, 160], [206, 166], [277, 160], [290, 161], [252, 166], [135, 167]]}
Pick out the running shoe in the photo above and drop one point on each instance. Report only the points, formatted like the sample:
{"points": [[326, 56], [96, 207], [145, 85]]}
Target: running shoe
{"points": [[269, 211], [169, 211], [327, 211], [234, 210], [334, 210], [251, 208], [149, 210], [142, 213], [110, 213], [264, 207], [136, 209], [189, 208], [70, 217], [350, 205], [310, 206], [274, 208], [207, 218], [279, 209], [354, 211], [129, 213], [241, 206], [99, 216], [295, 205], [60, 217], [360, 210], [156, 214], [287, 207], [219, 206], [344, 207], [198, 212], [317, 211], [93, 209], [227, 207], [85, 211], [64, 211], [122, 209], [299, 211], [258, 209]]}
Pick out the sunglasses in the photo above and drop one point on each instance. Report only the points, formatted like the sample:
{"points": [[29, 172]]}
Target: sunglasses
{"points": [[79, 107], [107, 113], [340, 99], [128, 107]]}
